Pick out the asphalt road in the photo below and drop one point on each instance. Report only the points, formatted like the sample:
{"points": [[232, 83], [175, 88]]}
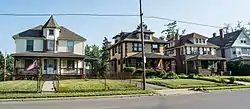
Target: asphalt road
{"points": [[216, 100]]}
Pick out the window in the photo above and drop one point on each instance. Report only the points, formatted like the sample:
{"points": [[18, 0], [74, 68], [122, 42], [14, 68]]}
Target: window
{"points": [[204, 41], [119, 62], [137, 47], [147, 36], [234, 52], [155, 48], [30, 45], [119, 49], [244, 51], [51, 45], [51, 32], [70, 46], [197, 40], [70, 64], [113, 51]]}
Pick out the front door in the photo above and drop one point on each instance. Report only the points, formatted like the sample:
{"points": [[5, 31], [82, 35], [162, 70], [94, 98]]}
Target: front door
{"points": [[51, 63]]}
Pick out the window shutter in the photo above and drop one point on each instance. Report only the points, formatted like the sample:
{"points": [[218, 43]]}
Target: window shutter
{"points": [[45, 64], [45, 45], [55, 64]]}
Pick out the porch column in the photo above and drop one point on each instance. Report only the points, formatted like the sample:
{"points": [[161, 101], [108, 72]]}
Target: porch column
{"points": [[14, 68], [224, 66], [60, 67], [195, 66], [215, 67], [173, 65], [83, 75], [198, 66]]}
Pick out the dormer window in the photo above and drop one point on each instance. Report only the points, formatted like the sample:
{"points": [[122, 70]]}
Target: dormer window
{"points": [[51, 32], [147, 36]]}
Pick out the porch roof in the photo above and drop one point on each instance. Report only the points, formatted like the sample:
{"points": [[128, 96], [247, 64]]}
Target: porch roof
{"points": [[241, 58], [206, 57], [47, 55], [150, 55]]}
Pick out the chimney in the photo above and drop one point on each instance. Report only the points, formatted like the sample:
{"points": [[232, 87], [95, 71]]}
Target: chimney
{"points": [[222, 44], [214, 34]]}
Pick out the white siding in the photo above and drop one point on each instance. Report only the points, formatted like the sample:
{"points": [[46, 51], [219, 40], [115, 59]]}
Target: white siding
{"points": [[20, 45], [62, 47], [38, 45], [78, 48]]}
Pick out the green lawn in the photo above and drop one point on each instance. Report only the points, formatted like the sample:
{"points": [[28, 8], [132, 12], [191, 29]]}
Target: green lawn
{"points": [[79, 85], [238, 78], [18, 86], [183, 83], [81, 94]]}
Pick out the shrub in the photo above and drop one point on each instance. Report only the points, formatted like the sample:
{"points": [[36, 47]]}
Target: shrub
{"points": [[160, 72], [129, 69], [150, 72], [182, 74], [191, 76], [231, 80], [170, 75]]}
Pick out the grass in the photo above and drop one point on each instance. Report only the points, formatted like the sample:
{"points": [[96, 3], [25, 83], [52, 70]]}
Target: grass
{"points": [[238, 78], [183, 83], [93, 85], [85, 94], [227, 87], [18, 86]]}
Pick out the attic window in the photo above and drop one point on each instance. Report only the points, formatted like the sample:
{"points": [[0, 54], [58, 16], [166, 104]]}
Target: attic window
{"points": [[147, 36], [51, 32]]}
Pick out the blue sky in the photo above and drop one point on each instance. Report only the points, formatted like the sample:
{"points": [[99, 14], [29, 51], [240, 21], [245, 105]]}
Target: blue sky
{"points": [[213, 12]]}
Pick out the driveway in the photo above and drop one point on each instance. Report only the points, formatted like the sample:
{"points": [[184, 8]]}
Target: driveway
{"points": [[216, 100]]}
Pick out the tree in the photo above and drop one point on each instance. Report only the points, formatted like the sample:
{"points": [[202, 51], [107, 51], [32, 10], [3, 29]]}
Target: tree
{"points": [[171, 30], [104, 56], [239, 26], [93, 52]]}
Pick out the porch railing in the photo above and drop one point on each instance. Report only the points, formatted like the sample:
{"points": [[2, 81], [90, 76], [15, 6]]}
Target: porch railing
{"points": [[71, 71], [23, 71]]}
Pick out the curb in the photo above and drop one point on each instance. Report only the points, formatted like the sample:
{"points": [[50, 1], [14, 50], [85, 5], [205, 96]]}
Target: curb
{"points": [[74, 98]]}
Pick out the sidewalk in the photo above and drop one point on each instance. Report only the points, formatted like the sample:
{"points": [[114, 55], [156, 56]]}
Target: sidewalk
{"points": [[177, 92], [48, 86], [241, 82]]}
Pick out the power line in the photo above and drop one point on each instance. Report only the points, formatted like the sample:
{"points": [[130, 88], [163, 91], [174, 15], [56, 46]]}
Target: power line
{"points": [[110, 15], [187, 22], [67, 14]]}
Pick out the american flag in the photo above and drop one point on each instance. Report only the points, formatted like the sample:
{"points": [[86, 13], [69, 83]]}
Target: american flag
{"points": [[32, 66]]}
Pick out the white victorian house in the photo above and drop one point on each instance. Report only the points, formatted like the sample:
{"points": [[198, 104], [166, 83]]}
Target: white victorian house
{"points": [[233, 46], [55, 49]]}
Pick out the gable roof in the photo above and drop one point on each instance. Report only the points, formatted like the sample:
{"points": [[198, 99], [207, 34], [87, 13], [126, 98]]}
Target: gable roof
{"points": [[229, 38], [37, 32], [186, 38], [51, 23]]}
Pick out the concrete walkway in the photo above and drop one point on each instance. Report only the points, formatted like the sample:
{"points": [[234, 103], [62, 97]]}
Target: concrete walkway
{"points": [[167, 92], [150, 86], [241, 82], [48, 86]]}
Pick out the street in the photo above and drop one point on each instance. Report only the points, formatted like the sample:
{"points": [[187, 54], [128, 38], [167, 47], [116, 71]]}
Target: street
{"points": [[215, 100]]}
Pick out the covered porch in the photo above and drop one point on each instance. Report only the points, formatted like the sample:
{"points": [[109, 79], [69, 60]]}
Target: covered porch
{"points": [[153, 61], [48, 64], [207, 65]]}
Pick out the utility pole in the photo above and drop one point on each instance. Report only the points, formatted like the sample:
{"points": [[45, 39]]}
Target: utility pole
{"points": [[4, 72], [143, 54]]}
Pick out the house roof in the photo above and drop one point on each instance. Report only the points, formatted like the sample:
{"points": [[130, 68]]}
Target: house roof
{"points": [[51, 23], [206, 57], [186, 38], [37, 32], [150, 55], [47, 55], [229, 38], [241, 58]]}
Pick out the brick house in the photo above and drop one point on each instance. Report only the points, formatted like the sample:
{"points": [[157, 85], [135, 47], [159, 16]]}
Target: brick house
{"points": [[195, 55]]}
